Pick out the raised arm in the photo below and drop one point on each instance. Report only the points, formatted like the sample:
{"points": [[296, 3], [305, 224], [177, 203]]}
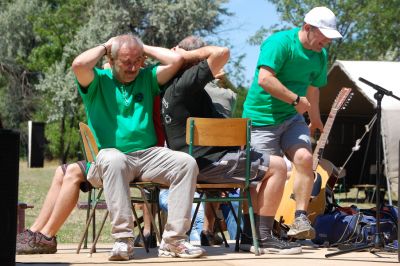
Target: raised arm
{"points": [[216, 56], [170, 62], [84, 63]]}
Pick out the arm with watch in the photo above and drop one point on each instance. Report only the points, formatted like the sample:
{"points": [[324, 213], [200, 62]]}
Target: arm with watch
{"points": [[84, 63], [268, 81]]}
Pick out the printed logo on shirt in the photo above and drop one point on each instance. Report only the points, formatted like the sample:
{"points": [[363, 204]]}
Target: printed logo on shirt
{"points": [[165, 103], [138, 97], [167, 119]]}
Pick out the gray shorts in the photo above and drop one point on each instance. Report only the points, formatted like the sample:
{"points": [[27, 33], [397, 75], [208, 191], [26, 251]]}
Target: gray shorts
{"points": [[231, 168], [277, 140]]}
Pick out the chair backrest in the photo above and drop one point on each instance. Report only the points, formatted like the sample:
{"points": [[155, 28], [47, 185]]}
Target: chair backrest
{"points": [[89, 142], [217, 131], [220, 132]]}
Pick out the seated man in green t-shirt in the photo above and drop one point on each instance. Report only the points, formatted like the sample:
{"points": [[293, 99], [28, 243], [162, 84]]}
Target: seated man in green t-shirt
{"points": [[119, 108], [292, 65]]}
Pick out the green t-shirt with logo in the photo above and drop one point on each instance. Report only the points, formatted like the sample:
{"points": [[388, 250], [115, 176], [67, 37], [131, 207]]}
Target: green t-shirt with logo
{"points": [[295, 67], [121, 115]]}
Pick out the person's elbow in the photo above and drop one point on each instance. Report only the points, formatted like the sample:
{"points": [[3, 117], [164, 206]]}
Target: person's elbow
{"points": [[177, 60], [224, 54], [77, 65], [263, 81]]}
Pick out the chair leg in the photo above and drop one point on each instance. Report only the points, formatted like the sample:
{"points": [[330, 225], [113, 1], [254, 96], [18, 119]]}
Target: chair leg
{"points": [[238, 222], [253, 227], [87, 216], [147, 206], [234, 215], [160, 225], [92, 214], [219, 226], [146, 244], [93, 249]]}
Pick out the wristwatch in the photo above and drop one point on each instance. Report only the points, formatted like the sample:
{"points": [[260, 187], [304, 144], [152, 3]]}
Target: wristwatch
{"points": [[295, 102]]}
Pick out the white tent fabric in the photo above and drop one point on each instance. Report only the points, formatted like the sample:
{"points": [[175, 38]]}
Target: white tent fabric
{"points": [[387, 76]]}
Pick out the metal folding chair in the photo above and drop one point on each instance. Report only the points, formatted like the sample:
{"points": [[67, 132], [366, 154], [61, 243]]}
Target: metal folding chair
{"points": [[225, 132]]}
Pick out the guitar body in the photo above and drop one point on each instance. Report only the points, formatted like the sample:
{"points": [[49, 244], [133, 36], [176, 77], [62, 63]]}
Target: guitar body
{"points": [[323, 175]]}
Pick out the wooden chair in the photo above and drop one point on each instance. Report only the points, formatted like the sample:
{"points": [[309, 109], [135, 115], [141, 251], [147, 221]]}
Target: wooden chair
{"points": [[90, 151], [226, 133]]}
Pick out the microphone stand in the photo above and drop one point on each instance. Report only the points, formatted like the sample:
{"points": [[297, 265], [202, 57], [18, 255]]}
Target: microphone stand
{"points": [[378, 242]]}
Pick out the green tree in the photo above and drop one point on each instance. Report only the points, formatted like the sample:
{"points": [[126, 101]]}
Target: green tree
{"points": [[370, 28], [49, 34], [16, 81]]}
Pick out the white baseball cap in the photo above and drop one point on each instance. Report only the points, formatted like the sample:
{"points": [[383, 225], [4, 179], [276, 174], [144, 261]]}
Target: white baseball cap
{"points": [[324, 19]]}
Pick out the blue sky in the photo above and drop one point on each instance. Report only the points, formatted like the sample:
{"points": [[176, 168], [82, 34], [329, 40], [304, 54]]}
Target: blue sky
{"points": [[249, 16]]}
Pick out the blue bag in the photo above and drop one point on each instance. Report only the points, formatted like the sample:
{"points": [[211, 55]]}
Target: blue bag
{"points": [[351, 225], [388, 224], [340, 226]]}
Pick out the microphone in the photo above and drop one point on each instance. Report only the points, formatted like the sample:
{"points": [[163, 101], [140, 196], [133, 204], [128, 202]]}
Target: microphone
{"points": [[376, 87]]}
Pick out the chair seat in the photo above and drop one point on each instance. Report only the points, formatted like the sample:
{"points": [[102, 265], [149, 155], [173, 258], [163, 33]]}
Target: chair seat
{"points": [[146, 184], [220, 186]]}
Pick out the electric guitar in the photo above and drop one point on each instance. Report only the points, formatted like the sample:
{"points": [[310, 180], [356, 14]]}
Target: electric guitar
{"points": [[325, 173]]}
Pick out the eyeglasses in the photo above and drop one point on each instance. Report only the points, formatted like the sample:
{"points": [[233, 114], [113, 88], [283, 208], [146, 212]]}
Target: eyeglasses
{"points": [[137, 62]]}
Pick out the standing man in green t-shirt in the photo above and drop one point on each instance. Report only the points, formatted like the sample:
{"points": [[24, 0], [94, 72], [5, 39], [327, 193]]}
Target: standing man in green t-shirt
{"points": [[119, 108], [291, 68]]}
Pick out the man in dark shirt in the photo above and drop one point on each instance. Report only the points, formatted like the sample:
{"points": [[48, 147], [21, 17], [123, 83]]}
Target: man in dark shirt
{"points": [[185, 96]]}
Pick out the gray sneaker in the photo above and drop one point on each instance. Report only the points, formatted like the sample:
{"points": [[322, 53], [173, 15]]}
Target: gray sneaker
{"points": [[301, 228], [122, 249], [273, 245], [181, 249]]}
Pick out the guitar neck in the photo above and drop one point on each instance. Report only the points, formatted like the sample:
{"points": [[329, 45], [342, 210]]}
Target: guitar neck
{"points": [[319, 149], [343, 97]]}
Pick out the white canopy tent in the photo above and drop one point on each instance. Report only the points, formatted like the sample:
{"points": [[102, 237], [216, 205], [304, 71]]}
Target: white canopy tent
{"points": [[384, 74]]}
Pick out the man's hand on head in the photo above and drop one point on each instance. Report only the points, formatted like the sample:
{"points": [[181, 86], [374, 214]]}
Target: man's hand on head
{"points": [[108, 44]]}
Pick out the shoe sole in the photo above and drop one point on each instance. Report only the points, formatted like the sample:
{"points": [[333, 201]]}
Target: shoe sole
{"points": [[31, 252], [288, 251], [308, 234], [119, 257], [169, 254]]}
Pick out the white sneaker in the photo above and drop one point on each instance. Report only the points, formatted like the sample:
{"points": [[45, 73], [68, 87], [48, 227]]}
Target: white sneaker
{"points": [[122, 249], [181, 249]]}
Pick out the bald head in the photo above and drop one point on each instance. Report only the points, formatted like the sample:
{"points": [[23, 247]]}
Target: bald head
{"points": [[128, 40], [191, 43]]}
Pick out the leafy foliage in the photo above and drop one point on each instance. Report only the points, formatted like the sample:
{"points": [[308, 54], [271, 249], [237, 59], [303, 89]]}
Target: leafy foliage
{"points": [[43, 37], [371, 28]]}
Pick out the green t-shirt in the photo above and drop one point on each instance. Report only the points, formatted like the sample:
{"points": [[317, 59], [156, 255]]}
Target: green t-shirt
{"points": [[295, 67], [121, 116]]}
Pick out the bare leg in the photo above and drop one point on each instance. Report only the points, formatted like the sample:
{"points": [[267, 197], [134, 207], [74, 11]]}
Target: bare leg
{"points": [[209, 218], [303, 182], [66, 200], [49, 202], [270, 190]]}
